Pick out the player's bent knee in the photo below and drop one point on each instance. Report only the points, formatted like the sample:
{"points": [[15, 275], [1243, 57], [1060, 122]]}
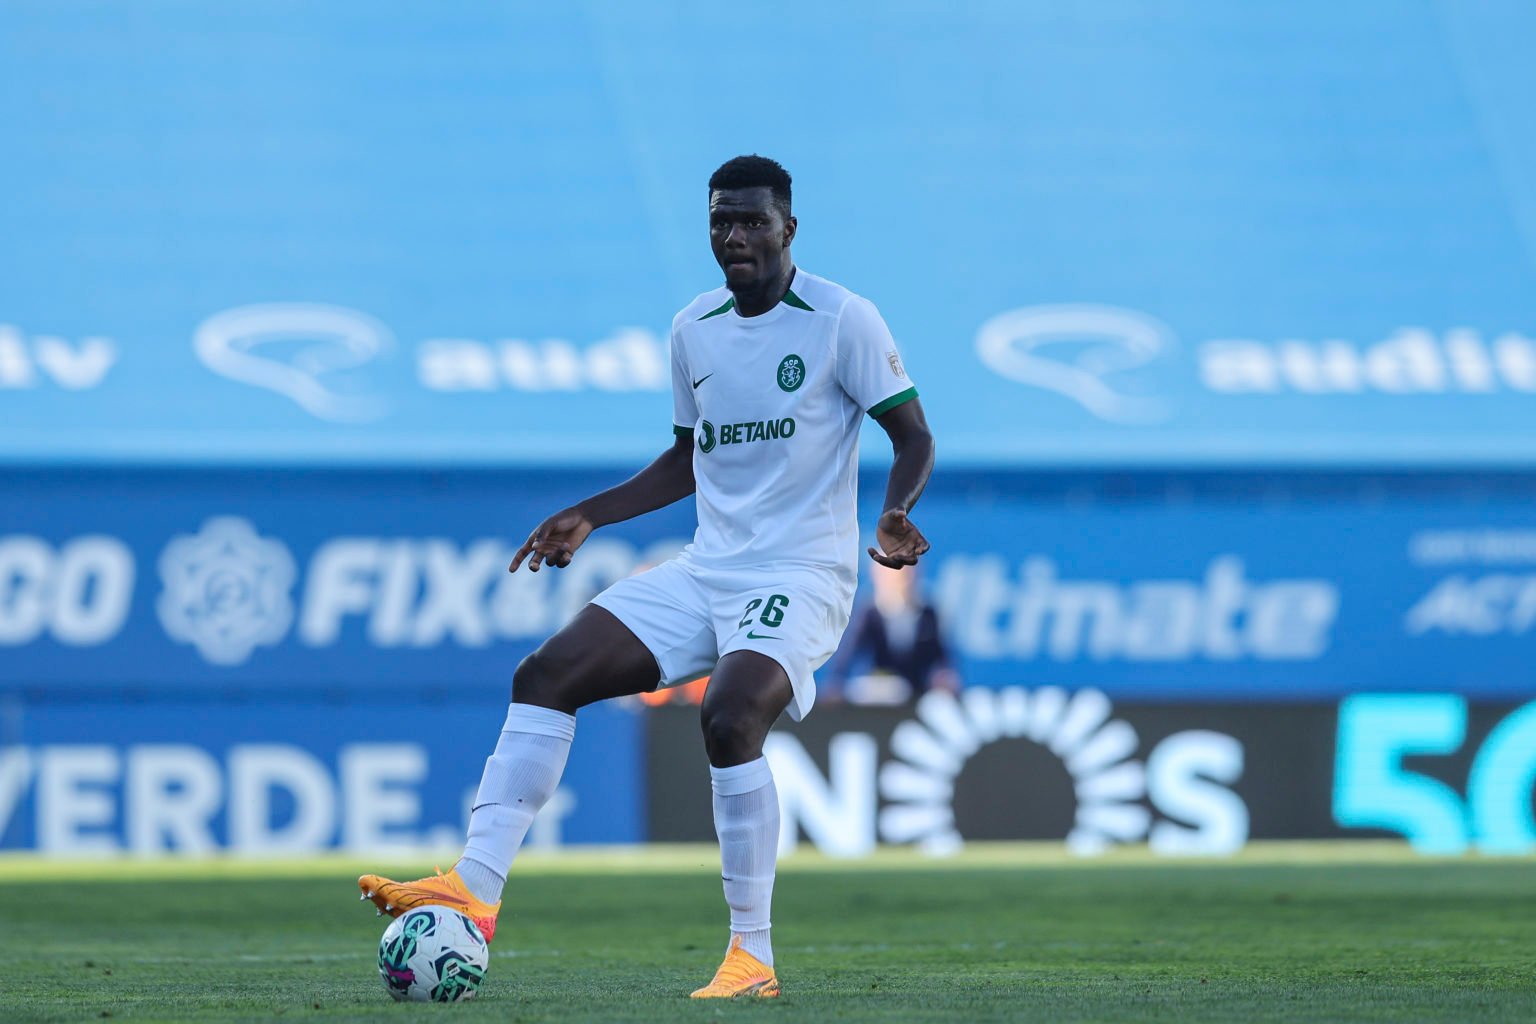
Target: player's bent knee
{"points": [[731, 736], [537, 681], [562, 683]]}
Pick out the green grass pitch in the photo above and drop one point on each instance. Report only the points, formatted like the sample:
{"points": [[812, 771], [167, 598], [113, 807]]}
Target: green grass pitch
{"points": [[1009, 933]]}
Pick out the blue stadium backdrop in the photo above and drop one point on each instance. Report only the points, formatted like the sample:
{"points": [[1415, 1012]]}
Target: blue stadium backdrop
{"points": [[1225, 318]]}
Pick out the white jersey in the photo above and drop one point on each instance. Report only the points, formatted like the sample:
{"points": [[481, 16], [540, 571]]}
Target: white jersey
{"points": [[774, 403]]}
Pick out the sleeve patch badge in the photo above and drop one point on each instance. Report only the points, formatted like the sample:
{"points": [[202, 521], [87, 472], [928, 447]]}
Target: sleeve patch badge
{"points": [[895, 361]]}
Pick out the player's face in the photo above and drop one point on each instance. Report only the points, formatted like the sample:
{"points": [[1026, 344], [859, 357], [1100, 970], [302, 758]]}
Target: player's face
{"points": [[749, 236]]}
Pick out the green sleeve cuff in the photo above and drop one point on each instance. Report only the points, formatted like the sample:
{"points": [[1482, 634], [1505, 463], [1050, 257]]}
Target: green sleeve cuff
{"points": [[682, 431], [892, 402]]}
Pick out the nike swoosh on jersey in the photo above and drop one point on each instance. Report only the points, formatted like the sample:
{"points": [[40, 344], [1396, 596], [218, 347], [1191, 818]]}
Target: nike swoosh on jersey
{"points": [[701, 380], [760, 636]]}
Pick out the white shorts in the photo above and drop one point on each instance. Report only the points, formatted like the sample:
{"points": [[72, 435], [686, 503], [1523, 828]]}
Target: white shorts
{"points": [[689, 618]]}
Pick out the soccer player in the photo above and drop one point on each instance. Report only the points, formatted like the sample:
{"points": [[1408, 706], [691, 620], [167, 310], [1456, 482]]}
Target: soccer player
{"points": [[771, 377]]}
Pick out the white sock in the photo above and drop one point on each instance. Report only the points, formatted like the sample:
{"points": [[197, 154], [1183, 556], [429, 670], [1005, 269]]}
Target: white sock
{"points": [[485, 883], [747, 822], [519, 778]]}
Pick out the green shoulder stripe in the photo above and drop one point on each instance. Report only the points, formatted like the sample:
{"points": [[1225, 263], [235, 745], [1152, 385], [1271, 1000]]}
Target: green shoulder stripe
{"points": [[726, 308], [682, 431], [791, 299], [892, 402]]}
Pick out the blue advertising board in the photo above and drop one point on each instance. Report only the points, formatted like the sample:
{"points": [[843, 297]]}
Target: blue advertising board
{"points": [[302, 581], [194, 660], [1177, 234], [1182, 587], [290, 776], [1238, 587]]}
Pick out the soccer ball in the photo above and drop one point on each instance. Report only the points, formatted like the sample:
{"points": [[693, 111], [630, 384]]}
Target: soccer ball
{"points": [[432, 954]]}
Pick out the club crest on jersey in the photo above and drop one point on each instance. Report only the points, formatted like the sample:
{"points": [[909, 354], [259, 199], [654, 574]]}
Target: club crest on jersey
{"points": [[791, 372], [895, 361], [706, 436]]}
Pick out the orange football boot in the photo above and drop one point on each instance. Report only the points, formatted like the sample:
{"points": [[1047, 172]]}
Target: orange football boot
{"points": [[395, 898], [741, 976]]}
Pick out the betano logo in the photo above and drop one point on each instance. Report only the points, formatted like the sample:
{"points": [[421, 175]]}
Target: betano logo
{"points": [[1102, 358], [743, 433]]}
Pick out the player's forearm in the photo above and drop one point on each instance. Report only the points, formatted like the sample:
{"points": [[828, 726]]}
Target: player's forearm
{"points": [[910, 470], [664, 481]]}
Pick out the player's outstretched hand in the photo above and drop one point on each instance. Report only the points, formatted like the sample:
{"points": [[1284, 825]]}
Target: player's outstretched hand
{"points": [[555, 541], [901, 542]]}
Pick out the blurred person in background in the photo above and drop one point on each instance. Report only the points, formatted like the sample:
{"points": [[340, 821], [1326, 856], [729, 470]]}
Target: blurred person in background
{"points": [[896, 644]]}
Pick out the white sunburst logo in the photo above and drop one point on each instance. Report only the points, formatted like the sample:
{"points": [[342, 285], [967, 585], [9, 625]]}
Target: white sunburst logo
{"points": [[1094, 748]]}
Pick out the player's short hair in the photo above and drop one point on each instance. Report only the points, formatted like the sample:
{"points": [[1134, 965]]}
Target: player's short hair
{"points": [[754, 171]]}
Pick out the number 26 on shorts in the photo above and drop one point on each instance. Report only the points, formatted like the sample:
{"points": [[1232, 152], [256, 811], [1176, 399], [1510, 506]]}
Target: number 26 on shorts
{"points": [[773, 611]]}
